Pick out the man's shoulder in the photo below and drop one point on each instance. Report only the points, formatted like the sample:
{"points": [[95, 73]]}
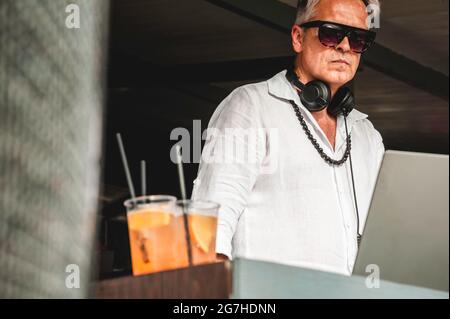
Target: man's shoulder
{"points": [[274, 85], [243, 103], [251, 90], [367, 128], [367, 124], [246, 98]]}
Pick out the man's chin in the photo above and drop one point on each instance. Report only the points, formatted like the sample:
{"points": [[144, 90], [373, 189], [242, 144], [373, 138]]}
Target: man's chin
{"points": [[336, 81], [335, 84]]}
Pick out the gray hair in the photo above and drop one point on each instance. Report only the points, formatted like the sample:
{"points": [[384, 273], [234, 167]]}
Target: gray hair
{"points": [[306, 9]]}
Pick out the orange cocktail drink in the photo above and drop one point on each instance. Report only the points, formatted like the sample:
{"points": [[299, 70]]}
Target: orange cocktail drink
{"points": [[157, 239], [202, 225]]}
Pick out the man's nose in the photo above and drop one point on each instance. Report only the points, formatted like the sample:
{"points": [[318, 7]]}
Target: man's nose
{"points": [[344, 46]]}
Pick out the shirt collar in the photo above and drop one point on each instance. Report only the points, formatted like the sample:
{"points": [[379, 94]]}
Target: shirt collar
{"points": [[280, 87]]}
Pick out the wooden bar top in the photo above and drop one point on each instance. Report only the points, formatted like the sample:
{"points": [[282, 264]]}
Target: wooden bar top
{"points": [[198, 282]]}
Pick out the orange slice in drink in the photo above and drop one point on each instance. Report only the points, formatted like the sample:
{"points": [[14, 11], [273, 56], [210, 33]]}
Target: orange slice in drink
{"points": [[203, 230], [144, 219]]}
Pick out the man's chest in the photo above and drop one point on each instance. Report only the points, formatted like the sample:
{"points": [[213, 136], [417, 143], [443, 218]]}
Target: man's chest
{"points": [[328, 127]]}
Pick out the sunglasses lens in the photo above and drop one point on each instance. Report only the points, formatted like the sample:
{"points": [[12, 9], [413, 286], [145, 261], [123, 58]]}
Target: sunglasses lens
{"points": [[360, 42], [330, 36]]}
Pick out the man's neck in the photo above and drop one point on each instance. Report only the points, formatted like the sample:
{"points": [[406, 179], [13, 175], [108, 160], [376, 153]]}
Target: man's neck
{"points": [[328, 125], [323, 117], [325, 121]]}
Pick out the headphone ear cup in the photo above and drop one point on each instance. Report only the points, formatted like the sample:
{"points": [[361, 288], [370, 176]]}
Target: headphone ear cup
{"points": [[342, 102], [315, 96]]}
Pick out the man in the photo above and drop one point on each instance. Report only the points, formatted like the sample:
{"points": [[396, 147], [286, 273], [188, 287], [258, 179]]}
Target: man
{"points": [[302, 213]]}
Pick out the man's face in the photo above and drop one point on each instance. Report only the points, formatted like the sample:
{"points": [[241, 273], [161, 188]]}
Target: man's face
{"points": [[336, 66]]}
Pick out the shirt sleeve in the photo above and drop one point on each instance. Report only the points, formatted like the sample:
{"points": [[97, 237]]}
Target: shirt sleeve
{"points": [[379, 150], [376, 141], [230, 163]]}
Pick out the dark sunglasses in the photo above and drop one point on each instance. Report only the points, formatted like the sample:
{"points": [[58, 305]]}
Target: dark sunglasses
{"points": [[332, 33]]}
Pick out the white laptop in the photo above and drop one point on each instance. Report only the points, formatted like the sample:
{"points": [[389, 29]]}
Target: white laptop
{"points": [[406, 233]]}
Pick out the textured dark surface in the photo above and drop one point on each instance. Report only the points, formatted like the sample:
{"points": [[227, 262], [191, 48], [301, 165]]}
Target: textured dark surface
{"points": [[50, 141]]}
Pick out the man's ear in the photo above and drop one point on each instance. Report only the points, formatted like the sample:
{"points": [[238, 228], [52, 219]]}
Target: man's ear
{"points": [[297, 34]]}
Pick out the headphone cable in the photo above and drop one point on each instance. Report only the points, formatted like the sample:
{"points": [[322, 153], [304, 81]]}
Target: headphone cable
{"points": [[358, 235]]}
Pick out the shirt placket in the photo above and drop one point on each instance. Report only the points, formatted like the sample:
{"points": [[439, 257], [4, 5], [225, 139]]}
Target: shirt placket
{"points": [[340, 178], [346, 196]]}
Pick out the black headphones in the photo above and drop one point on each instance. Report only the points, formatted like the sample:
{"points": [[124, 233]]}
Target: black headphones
{"points": [[316, 95]]}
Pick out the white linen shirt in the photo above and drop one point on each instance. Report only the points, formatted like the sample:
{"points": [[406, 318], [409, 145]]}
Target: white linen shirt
{"points": [[302, 212]]}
